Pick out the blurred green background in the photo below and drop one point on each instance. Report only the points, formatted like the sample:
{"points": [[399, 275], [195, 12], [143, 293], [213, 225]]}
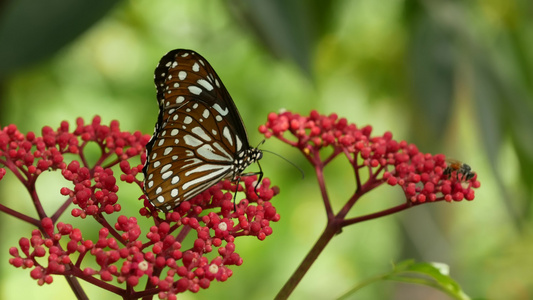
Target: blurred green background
{"points": [[454, 77]]}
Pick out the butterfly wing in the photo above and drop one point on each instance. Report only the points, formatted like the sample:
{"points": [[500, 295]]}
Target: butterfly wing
{"points": [[199, 135]]}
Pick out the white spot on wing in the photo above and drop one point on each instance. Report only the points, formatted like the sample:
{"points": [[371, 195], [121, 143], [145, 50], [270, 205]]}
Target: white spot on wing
{"points": [[221, 149], [166, 175], [195, 90], [227, 134], [191, 162], [239, 143], [165, 168], [211, 154], [196, 67], [174, 193], [220, 110], [217, 172], [192, 141], [182, 75], [205, 84], [201, 133], [175, 179]]}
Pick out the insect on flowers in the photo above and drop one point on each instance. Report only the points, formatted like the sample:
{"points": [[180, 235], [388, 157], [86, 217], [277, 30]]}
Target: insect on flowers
{"points": [[199, 138], [460, 168]]}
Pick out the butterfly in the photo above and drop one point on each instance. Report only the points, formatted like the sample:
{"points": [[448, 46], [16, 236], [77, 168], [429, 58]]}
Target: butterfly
{"points": [[199, 137]]}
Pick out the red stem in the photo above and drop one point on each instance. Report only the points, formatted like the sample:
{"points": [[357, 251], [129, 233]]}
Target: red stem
{"points": [[19, 215], [91, 279], [322, 184], [35, 199], [82, 155], [61, 210], [76, 288], [11, 166], [376, 215]]}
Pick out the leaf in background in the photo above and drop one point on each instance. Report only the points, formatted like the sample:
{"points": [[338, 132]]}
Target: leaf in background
{"points": [[31, 31], [408, 271], [504, 105], [431, 58], [289, 29]]}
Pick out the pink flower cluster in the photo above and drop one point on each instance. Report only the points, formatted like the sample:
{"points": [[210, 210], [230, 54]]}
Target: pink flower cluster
{"points": [[158, 258], [421, 175]]}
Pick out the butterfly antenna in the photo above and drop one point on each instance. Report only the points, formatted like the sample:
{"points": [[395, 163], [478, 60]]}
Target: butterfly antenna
{"points": [[290, 162]]}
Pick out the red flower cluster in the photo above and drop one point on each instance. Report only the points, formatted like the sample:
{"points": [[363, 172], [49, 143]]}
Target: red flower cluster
{"points": [[421, 176], [167, 265], [375, 160]]}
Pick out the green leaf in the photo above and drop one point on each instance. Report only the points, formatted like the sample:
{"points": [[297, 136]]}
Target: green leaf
{"points": [[31, 31], [288, 29], [434, 275], [432, 62]]}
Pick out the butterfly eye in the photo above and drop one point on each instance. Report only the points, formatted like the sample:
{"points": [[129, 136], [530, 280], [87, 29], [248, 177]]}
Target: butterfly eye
{"points": [[199, 138]]}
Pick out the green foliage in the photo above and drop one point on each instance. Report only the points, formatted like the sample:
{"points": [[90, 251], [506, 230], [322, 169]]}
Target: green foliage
{"points": [[411, 272], [32, 31]]}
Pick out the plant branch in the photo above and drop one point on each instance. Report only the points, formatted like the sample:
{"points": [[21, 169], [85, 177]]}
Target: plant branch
{"points": [[323, 190], [20, 216], [382, 213], [61, 210]]}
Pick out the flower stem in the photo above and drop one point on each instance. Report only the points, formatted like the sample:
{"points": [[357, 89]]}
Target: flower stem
{"points": [[19, 215], [322, 184], [76, 287], [376, 215]]}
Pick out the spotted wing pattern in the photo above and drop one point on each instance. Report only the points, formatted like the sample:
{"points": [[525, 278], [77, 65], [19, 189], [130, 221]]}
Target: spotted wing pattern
{"points": [[199, 138]]}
